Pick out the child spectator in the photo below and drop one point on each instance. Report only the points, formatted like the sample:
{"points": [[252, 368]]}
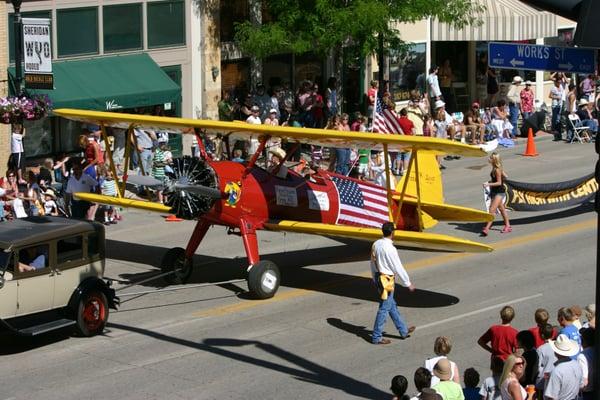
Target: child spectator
{"points": [[526, 342], [490, 390], [422, 381], [237, 156], [502, 338], [442, 347], [541, 319], [566, 320], [108, 186], [577, 311], [427, 125], [449, 389], [590, 315], [546, 358], [158, 169], [399, 386], [586, 361], [50, 207], [471, 391]]}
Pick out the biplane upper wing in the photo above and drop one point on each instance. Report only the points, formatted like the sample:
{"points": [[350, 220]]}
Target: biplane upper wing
{"points": [[242, 130], [432, 241]]}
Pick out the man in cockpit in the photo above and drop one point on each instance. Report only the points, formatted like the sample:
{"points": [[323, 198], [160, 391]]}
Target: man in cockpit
{"points": [[276, 166]]}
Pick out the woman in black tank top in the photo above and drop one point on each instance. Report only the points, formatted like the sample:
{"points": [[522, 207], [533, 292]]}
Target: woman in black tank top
{"points": [[497, 194]]}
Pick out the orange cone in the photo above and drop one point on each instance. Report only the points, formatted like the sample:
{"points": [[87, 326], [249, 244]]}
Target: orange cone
{"points": [[530, 150], [173, 218]]}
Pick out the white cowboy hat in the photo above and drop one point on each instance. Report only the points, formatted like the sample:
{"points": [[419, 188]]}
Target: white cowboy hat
{"points": [[528, 83], [279, 152], [517, 79], [439, 104], [563, 346], [583, 102], [50, 192], [272, 111]]}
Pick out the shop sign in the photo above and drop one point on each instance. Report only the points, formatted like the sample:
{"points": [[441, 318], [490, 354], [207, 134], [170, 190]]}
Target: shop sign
{"points": [[112, 105], [37, 51], [541, 58]]}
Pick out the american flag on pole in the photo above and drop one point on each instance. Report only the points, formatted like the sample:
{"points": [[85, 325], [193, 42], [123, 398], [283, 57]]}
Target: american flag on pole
{"points": [[361, 204], [384, 119]]}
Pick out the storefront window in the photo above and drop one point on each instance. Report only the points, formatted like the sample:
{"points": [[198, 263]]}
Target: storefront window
{"points": [[308, 67], [166, 23], [38, 138], [80, 23], [235, 76], [68, 135], [405, 67], [122, 27], [30, 14]]}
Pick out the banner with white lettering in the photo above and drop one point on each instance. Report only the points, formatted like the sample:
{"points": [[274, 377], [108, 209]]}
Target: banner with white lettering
{"points": [[549, 196], [37, 51]]}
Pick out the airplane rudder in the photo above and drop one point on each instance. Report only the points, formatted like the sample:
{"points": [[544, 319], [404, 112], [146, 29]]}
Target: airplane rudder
{"points": [[430, 178]]}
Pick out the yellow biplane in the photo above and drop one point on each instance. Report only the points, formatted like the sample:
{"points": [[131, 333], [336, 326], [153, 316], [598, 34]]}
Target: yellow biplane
{"points": [[246, 197]]}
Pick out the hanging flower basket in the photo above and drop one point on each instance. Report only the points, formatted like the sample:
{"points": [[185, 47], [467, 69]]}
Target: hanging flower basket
{"points": [[18, 109]]}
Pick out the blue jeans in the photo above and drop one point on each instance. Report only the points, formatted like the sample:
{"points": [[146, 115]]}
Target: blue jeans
{"points": [[146, 161], [592, 124], [556, 122], [514, 118], [342, 158], [388, 306]]}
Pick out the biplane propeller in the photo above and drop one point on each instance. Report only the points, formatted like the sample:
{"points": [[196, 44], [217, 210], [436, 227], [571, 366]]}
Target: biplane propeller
{"points": [[246, 197]]}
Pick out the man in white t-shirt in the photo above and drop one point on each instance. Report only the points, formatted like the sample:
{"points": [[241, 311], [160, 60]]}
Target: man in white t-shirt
{"points": [[254, 118], [17, 151], [79, 182]]}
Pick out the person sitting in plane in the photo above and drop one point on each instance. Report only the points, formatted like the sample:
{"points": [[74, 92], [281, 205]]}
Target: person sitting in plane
{"points": [[275, 165]]}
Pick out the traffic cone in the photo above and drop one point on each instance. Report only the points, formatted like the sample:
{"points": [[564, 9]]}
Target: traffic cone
{"points": [[173, 218], [530, 149]]}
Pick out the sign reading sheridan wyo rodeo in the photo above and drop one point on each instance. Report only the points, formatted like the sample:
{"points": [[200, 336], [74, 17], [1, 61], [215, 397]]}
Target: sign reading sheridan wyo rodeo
{"points": [[37, 50]]}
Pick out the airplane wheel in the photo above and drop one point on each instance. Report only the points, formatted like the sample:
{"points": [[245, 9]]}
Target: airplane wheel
{"points": [[175, 262], [263, 279]]}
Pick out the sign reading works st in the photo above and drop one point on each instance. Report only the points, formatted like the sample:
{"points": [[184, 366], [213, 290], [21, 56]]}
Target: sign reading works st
{"points": [[37, 50], [543, 58]]}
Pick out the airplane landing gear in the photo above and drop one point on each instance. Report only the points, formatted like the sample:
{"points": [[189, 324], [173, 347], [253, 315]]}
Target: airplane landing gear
{"points": [[263, 279], [181, 268]]}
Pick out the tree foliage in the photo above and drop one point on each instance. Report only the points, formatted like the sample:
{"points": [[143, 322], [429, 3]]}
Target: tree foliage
{"points": [[299, 26]]}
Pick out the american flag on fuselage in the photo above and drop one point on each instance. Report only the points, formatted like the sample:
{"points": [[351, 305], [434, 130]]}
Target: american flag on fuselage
{"points": [[384, 119], [360, 204]]}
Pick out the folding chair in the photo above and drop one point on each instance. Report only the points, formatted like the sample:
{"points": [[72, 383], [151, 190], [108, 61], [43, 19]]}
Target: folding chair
{"points": [[577, 128]]}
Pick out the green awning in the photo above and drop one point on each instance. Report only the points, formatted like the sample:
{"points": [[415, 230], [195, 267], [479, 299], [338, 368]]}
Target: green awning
{"points": [[109, 83]]}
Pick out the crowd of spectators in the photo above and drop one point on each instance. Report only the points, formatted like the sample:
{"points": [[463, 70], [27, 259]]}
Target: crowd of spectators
{"points": [[542, 362]]}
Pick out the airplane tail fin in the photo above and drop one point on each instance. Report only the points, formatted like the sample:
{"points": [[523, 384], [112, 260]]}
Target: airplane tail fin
{"points": [[430, 179], [430, 183]]}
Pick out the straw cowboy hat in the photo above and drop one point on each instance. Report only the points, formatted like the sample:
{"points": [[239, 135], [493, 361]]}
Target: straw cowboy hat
{"points": [[439, 104], [517, 79], [583, 102], [563, 346], [279, 152], [50, 192], [443, 369]]}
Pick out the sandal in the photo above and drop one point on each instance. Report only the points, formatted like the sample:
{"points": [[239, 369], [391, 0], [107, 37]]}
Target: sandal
{"points": [[485, 231], [507, 229]]}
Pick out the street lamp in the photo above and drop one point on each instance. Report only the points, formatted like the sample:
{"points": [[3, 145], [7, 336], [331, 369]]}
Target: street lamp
{"points": [[18, 42]]}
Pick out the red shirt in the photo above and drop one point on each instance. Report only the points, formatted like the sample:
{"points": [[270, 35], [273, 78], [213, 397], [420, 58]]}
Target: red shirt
{"points": [[502, 339], [406, 125], [538, 339]]}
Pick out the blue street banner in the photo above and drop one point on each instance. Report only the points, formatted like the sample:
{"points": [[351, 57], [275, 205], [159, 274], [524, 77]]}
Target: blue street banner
{"points": [[544, 58]]}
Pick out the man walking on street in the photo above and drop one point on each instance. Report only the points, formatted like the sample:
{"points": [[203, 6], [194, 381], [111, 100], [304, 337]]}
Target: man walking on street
{"points": [[385, 265]]}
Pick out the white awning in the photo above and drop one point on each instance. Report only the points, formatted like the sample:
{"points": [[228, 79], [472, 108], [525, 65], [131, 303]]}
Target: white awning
{"points": [[502, 20]]}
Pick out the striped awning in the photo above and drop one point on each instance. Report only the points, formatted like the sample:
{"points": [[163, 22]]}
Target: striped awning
{"points": [[501, 20]]}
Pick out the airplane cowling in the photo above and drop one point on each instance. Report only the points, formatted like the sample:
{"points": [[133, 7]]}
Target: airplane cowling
{"points": [[189, 171]]}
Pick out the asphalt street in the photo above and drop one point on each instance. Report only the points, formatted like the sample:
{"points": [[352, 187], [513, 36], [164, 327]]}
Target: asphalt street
{"points": [[312, 340]]}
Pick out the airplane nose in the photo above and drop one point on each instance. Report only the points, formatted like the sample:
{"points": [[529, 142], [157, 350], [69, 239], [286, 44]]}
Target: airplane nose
{"points": [[191, 188]]}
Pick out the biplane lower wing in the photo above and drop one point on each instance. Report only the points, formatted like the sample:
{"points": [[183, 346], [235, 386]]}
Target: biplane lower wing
{"points": [[422, 240], [123, 202]]}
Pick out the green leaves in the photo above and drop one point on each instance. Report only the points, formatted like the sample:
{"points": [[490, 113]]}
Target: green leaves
{"points": [[320, 26]]}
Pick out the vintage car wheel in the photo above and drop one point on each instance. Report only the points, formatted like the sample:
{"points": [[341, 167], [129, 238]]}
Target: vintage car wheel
{"points": [[175, 262], [263, 279], [92, 313]]}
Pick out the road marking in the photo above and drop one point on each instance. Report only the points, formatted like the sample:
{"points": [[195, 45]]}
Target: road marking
{"points": [[482, 310], [426, 262]]}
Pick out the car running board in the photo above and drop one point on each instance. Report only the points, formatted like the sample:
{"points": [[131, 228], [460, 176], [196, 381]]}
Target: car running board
{"points": [[47, 327]]}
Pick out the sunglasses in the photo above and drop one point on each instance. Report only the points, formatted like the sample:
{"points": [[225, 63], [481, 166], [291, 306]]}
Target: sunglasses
{"points": [[11, 176], [521, 363]]}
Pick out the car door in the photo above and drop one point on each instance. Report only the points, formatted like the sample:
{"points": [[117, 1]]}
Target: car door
{"points": [[72, 267], [8, 292], [35, 289]]}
